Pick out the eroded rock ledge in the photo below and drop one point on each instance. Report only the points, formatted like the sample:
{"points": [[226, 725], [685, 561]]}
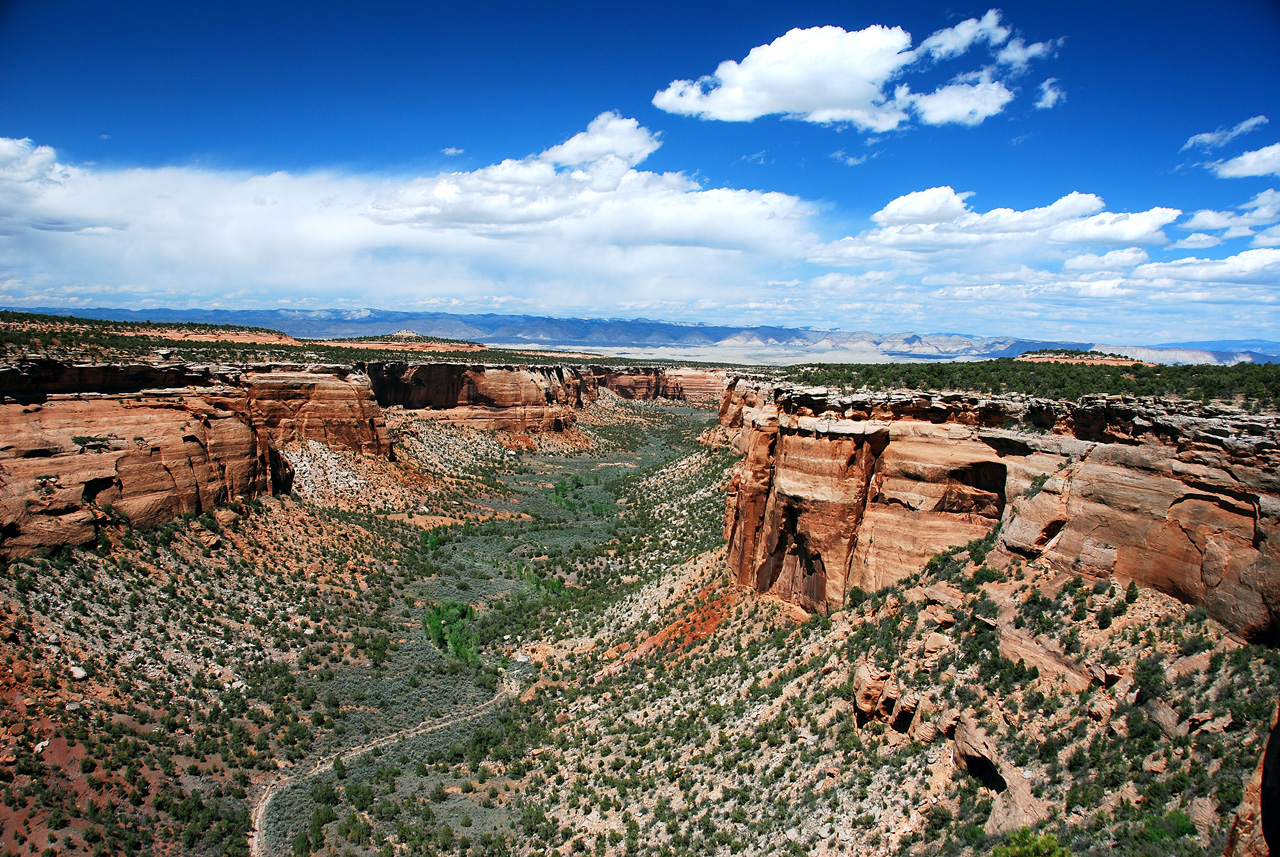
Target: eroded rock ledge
{"points": [[527, 398], [836, 492], [80, 443]]}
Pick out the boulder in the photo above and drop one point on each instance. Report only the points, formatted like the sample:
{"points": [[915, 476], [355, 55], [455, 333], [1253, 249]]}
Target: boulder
{"points": [[868, 683]]}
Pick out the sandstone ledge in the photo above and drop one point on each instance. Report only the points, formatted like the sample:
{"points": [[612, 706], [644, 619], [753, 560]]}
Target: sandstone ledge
{"points": [[837, 491]]}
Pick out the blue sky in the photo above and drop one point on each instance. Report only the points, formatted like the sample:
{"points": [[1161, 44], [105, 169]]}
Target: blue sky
{"points": [[1091, 171]]}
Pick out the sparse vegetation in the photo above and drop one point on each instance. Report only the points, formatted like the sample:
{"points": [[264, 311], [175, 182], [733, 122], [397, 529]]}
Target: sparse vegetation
{"points": [[488, 651]]}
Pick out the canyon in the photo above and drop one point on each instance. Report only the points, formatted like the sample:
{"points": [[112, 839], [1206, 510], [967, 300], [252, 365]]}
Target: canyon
{"points": [[844, 492], [845, 621], [84, 444]]}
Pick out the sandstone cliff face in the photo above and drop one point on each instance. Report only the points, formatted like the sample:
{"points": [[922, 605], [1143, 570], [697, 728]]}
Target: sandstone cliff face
{"points": [[329, 404], [524, 398], [510, 398], [153, 441], [837, 492], [120, 445], [1255, 832]]}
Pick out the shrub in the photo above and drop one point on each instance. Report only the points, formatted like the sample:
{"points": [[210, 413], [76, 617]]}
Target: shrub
{"points": [[1024, 843]]}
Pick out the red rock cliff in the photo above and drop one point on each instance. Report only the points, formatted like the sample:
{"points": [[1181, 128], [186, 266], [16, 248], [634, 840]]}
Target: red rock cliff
{"points": [[511, 398], [525, 398], [837, 492], [155, 442]]}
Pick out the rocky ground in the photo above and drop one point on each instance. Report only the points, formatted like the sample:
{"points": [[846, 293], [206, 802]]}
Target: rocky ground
{"points": [[156, 685]]}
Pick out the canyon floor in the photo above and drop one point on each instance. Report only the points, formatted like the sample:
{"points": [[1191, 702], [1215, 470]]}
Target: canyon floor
{"points": [[531, 643]]}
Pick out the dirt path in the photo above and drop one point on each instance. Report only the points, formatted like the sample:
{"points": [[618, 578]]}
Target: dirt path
{"points": [[258, 816]]}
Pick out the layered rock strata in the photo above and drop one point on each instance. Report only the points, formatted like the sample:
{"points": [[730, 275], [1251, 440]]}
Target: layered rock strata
{"points": [[117, 446], [526, 398], [842, 491], [80, 443], [509, 398]]}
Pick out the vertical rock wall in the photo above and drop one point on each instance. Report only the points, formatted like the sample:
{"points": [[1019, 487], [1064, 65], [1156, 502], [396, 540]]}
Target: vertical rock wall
{"points": [[837, 492], [80, 445]]}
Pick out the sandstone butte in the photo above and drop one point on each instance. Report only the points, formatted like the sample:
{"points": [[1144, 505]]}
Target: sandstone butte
{"points": [[81, 443], [843, 491]]}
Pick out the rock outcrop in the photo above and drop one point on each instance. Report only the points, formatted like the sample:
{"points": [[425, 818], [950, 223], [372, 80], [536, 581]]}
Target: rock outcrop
{"points": [[118, 446], [524, 398], [1256, 829], [501, 398], [80, 443], [842, 491]]}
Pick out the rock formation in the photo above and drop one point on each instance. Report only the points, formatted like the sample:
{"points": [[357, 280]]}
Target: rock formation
{"points": [[509, 398], [1256, 829], [842, 491], [82, 442], [117, 445], [525, 398]]}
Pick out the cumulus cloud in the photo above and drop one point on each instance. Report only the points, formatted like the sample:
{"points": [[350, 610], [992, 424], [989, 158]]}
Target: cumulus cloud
{"points": [[1262, 210], [1267, 237], [1050, 94], [954, 41], [571, 222], [937, 226], [582, 228], [1250, 267], [1197, 241], [1058, 269], [935, 205], [1222, 136], [608, 136], [1259, 162], [830, 75], [451, 151], [1019, 54], [1116, 260], [1140, 227], [960, 103]]}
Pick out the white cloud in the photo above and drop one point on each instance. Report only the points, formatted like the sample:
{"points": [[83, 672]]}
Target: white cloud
{"points": [[577, 223], [954, 41], [847, 159], [960, 103], [1140, 227], [1019, 54], [935, 205], [823, 74], [1259, 162], [608, 136], [830, 75], [1116, 260], [583, 228], [1259, 267], [451, 151], [1267, 237], [1197, 241], [937, 226], [1262, 210], [1050, 95], [1222, 136], [22, 161]]}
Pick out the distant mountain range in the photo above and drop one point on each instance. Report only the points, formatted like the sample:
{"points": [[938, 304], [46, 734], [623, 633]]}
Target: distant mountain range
{"points": [[650, 339]]}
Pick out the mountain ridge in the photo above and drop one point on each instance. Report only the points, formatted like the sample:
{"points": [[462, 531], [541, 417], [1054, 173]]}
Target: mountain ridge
{"points": [[675, 340]]}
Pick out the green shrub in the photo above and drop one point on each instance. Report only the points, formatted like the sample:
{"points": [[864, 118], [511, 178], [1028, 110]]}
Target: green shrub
{"points": [[1024, 843]]}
